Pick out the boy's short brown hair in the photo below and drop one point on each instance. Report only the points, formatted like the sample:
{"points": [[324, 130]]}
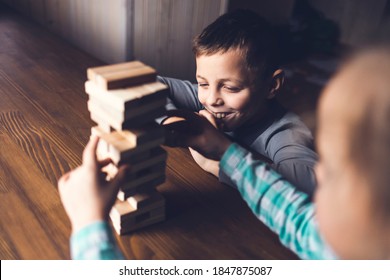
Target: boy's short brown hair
{"points": [[247, 32]]}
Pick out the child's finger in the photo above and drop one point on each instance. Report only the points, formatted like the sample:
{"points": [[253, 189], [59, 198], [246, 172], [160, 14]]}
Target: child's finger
{"points": [[89, 154], [175, 138], [209, 117]]}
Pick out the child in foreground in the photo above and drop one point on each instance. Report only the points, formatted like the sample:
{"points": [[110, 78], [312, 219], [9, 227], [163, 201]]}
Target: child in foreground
{"points": [[238, 75], [350, 218]]}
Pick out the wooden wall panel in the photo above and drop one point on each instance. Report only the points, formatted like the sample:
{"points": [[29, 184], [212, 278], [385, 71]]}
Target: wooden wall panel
{"points": [[96, 26], [358, 19], [158, 32], [163, 31], [275, 11]]}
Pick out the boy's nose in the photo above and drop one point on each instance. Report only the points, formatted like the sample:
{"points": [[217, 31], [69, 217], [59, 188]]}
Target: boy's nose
{"points": [[214, 98]]}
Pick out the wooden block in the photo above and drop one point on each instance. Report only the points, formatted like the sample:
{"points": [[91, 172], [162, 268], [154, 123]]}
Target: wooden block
{"points": [[103, 153], [128, 98], [120, 149], [145, 199], [123, 211], [112, 171], [132, 186], [140, 136], [124, 229], [101, 70], [141, 218], [121, 75], [152, 163], [100, 115], [126, 218], [134, 179], [143, 187], [122, 116], [104, 125]]}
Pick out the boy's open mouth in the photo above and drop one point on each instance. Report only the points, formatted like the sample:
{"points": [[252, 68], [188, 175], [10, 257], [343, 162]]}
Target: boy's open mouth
{"points": [[220, 115]]}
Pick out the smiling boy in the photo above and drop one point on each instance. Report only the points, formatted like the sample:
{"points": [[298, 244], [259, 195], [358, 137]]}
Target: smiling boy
{"points": [[238, 78]]}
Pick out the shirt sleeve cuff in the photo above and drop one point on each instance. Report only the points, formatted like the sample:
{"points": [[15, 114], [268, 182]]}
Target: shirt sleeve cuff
{"points": [[93, 242]]}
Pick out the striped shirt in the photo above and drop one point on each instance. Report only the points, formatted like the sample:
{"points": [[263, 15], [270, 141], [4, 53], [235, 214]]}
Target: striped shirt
{"points": [[274, 201], [94, 242]]}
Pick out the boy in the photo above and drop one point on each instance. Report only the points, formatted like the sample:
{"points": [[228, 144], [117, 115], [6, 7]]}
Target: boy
{"points": [[352, 200], [238, 78]]}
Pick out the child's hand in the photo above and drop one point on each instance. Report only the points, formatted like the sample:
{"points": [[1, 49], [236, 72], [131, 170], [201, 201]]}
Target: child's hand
{"points": [[87, 197], [197, 132], [209, 165], [217, 124]]}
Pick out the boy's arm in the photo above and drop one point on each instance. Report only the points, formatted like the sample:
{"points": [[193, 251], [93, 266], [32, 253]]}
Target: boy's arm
{"points": [[286, 211], [94, 242], [299, 173], [182, 94]]}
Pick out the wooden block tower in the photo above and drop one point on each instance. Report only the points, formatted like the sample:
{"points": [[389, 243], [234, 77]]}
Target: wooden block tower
{"points": [[124, 101]]}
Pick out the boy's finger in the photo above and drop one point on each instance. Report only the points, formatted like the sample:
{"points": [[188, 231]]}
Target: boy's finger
{"points": [[173, 119], [89, 154], [209, 117]]}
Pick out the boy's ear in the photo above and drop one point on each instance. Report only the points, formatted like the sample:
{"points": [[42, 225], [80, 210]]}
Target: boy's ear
{"points": [[276, 83]]}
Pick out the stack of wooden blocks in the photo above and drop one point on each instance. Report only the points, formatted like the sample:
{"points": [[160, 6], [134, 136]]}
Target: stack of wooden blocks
{"points": [[124, 101]]}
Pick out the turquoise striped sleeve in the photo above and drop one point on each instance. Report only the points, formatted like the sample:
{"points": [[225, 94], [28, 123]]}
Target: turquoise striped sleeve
{"points": [[94, 242], [286, 211]]}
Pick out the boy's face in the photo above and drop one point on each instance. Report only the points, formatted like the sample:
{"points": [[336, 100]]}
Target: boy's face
{"points": [[226, 91], [343, 201]]}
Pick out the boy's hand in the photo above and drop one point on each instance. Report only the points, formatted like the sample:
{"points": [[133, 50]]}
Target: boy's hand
{"points": [[87, 197], [209, 165], [197, 132]]}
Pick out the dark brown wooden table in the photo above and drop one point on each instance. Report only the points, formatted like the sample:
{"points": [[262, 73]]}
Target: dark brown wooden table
{"points": [[44, 126]]}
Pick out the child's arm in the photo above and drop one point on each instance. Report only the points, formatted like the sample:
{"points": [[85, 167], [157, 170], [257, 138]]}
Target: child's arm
{"points": [[208, 165], [286, 211], [182, 94], [87, 199]]}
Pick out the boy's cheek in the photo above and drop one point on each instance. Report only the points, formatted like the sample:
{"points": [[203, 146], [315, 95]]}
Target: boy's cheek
{"points": [[201, 96]]}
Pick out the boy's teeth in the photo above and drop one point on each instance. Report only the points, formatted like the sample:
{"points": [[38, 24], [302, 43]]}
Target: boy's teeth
{"points": [[220, 115]]}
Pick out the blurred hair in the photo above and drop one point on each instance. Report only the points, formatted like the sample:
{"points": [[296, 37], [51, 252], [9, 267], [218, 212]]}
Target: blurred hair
{"points": [[369, 115]]}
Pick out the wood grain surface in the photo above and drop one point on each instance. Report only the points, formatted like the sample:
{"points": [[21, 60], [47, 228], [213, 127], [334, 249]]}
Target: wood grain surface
{"points": [[44, 126]]}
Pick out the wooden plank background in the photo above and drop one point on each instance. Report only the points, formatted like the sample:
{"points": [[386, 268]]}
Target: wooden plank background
{"points": [[158, 32]]}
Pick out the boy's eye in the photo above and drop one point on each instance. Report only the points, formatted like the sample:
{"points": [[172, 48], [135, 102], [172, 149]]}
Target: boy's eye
{"points": [[202, 84], [232, 89]]}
